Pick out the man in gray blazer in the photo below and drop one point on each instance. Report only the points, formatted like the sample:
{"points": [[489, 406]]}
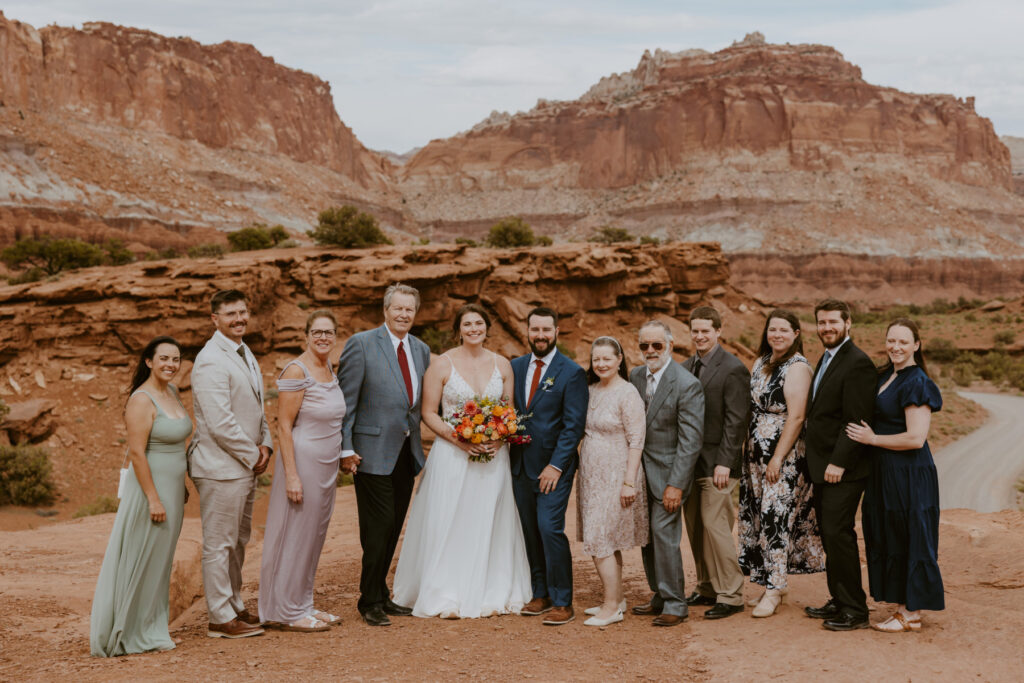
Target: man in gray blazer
{"points": [[230, 447], [709, 513], [675, 424], [381, 376]]}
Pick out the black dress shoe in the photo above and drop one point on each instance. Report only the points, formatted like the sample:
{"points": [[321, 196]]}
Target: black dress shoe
{"points": [[374, 616], [722, 610], [696, 598], [396, 610], [648, 609], [829, 610], [845, 622]]}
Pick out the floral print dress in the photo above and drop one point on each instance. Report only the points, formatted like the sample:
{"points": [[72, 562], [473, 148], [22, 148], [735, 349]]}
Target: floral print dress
{"points": [[778, 529]]}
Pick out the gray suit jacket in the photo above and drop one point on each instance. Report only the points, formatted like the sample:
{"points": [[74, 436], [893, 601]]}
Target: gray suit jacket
{"points": [[675, 428], [726, 383], [230, 422], [379, 417]]}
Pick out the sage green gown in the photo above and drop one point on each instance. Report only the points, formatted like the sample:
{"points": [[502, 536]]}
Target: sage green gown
{"points": [[130, 607]]}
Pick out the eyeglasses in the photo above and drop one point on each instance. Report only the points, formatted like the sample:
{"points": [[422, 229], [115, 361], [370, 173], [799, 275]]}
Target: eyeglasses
{"points": [[657, 346], [322, 334]]}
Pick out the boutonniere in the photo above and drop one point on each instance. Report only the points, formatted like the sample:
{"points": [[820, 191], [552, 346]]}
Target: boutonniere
{"points": [[548, 383]]}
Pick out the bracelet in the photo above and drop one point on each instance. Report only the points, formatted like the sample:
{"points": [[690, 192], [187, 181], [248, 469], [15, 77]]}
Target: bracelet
{"points": [[626, 483]]}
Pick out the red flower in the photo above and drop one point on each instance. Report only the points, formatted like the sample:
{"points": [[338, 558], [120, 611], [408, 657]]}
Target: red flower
{"points": [[471, 407]]}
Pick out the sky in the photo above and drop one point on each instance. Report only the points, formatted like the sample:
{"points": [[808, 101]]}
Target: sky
{"points": [[404, 72]]}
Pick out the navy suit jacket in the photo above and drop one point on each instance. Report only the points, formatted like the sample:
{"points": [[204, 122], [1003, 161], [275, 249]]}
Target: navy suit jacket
{"points": [[557, 416]]}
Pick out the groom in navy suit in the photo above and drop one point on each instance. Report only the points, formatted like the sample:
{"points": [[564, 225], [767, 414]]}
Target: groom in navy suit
{"points": [[551, 393]]}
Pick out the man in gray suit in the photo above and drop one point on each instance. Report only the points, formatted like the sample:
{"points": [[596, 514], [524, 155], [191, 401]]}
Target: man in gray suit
{"points": [[675, 423], [231, 446], [709, 513], [381, 376]]}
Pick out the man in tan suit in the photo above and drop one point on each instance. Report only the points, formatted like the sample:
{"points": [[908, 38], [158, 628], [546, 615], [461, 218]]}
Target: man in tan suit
{"points": [[230, 448]]}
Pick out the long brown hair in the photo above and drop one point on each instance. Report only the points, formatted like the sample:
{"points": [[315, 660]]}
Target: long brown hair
{"points": [[918, 355], [765, 350]]}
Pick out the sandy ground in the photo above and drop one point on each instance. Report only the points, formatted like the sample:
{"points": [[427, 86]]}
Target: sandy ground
{"points": [[48, 577]]}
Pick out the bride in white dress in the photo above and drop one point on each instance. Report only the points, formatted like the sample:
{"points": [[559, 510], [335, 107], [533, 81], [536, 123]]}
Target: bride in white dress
{"points": [[463, 553]]}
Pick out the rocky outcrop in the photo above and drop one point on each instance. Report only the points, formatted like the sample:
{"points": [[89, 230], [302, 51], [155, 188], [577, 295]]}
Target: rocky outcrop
{"points": [[782, 148], [106, 315]]}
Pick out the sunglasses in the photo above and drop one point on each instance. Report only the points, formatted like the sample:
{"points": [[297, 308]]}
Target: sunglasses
{"points": [[657, 346]]}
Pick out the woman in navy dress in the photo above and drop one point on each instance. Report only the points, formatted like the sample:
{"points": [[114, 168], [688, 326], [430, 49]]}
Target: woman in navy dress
{"points": [[901, 503]]}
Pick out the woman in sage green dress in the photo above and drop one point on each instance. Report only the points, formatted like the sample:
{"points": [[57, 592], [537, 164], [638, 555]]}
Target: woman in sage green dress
{"points": [[130, 607]]}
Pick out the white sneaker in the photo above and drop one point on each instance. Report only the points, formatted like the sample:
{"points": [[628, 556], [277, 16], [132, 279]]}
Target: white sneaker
{"points": [[594, 610], [613, 619]]}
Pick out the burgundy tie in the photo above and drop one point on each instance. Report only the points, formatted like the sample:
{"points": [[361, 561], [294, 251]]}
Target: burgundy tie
{"points": [[403, 363], [536, 379]]}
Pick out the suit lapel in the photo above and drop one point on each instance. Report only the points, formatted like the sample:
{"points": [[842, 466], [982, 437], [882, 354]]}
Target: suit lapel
{"points": [[390, 355], [828, 371], [551, 374], [710, 367], [233, 357], [661, 392], [520, 377]]}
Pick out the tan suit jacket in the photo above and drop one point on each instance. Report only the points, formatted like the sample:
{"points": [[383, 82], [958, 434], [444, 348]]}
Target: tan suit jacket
{"points": [[230, 422]]}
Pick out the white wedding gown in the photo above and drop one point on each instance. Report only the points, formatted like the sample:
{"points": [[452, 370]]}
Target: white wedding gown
{"points": [[463, 554]]}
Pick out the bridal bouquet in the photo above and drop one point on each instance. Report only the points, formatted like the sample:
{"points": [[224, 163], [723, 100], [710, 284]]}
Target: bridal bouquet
{"points": [[484, 419]]}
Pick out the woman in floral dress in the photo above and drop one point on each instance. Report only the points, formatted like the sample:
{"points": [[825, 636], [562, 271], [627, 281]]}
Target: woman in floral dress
{"points": [[777, 525]]}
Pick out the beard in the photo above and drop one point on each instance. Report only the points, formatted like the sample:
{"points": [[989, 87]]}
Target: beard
{"points": [[539, 351]]}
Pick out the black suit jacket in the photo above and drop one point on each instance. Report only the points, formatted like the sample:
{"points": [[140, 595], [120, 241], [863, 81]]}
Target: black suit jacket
{"points": [[846, 394], [726, 383]]}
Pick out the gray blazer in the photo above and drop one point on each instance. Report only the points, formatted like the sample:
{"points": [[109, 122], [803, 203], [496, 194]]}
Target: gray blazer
{"points": [[675, 428], [726, 383], [379, 417], [230, 422]]}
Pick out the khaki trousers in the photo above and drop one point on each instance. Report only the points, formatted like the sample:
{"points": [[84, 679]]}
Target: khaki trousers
{"points": [[225, 508], [709, 517]]}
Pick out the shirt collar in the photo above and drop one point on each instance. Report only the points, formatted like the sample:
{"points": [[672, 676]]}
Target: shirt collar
{"points": [[835, 349], [710, 354], [232, 344], [395, 341], [660, 371], [545, 359]]}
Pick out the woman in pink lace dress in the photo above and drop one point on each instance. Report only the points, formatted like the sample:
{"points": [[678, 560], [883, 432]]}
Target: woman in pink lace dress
{"points": [[611, 494]]}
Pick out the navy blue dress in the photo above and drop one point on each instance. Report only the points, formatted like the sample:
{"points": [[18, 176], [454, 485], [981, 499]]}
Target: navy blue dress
{"points": [[901, 503]]}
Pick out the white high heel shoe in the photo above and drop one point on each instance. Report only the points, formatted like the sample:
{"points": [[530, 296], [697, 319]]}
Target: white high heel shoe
{"points": [[594, 610], [768, 604], [753, 602], [613, 619]]}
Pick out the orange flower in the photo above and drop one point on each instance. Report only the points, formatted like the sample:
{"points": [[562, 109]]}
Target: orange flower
{"points": [[467, 432], [512, 426], [478, 438], [478, 419], [471, 407], [499, 411]]}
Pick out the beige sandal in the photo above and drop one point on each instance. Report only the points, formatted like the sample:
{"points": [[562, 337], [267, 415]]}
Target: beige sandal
{"points": [[308, 624], [898, 623], [327, 617]]}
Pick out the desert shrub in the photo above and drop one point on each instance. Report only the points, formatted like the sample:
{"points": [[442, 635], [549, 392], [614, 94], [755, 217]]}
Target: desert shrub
{"points": [[100, 506], [963, 373], [208, 250], [257, 236], [544, 241], [993, 366], [963, 302], [26, 477], [467, 241], [277, 233], [971, 318], [33, 274], [117, 254], [648, 239], [344, 479], [565, 350], [52, 255], [349, 228], [287, 244], [609, 234], [509, 233], [941, 350], [162, 254], [264, 480], [439, 339], [304, 305], [1004, 337]]}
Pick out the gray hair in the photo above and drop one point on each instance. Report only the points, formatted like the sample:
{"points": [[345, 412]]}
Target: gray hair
{"points": [[658, 323], [399, 288]]}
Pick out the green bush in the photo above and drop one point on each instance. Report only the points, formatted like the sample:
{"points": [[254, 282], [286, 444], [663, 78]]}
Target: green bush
{"points": [[257, 236], [509, 233], [609, 234], [544, 241], [566, 351], [467, 241], [963, 373], [941, 350], [647, 239], [52, 255], [1004, 337], [349, 228], [117, 254], [208, 250], [344, 479], [439, 339], [100, 506], [162, 254], [26, 477], [33, 274]]}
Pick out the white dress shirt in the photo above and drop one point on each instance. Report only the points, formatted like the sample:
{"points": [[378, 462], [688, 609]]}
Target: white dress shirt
{"points": [[657, 376], [250, 360], [407, 347], [824, 366], [533, 369]]}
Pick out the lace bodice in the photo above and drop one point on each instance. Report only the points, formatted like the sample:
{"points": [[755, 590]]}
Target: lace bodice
{"points": [[457, 390]]}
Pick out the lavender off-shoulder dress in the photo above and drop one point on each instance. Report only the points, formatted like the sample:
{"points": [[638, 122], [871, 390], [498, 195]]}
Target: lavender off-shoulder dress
{"points": [[296, 531]]}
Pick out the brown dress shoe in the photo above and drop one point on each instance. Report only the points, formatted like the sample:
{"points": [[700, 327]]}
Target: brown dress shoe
{"points": [[536, 606], [247, 618], [559, 615], [648, 609], [233, 629], [668, 620]]}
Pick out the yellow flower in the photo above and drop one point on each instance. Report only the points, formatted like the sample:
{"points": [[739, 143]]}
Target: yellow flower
{"points": [[499, 411], [512, 427], [478, 419], [467, 432], [478, 438]]}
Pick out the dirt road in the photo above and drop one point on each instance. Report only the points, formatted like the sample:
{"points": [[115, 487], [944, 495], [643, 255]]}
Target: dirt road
{"points": [[978, 472]]}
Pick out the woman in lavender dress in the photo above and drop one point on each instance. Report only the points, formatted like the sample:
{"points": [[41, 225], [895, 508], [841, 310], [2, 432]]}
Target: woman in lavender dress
{"points": [[311, 408]]}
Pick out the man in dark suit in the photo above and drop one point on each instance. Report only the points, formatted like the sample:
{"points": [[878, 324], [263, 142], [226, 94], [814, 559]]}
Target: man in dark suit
{"points": [[551, 394], [842, 392], [381, 377], [708, 511]]}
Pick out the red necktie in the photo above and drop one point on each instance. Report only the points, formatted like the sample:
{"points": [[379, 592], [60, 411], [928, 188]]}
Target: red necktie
{"points": [[403, 363], [536, 379]]}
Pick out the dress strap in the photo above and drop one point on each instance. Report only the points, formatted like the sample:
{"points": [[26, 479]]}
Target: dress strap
{"points": [[296, 361], [150, 396]]}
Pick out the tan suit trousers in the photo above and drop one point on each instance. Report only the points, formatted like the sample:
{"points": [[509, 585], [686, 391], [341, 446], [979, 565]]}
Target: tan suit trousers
{"points": [[225, 507], [709, 518]]}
